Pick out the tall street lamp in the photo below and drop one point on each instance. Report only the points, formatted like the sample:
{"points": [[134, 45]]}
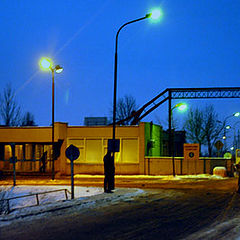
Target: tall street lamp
{"points": [[47, 64], [226, 127], [236, 138], [181, 107], [154, 15]]}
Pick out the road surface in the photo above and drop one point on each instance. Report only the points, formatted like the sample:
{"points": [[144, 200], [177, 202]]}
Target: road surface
{"points": [[156, 214]]}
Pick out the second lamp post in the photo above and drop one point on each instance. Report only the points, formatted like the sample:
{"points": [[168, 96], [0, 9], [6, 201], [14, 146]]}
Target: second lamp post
{"points": [[47, 64]]}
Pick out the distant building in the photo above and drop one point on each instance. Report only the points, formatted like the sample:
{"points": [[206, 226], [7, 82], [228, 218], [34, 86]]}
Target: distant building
{"points": [[179, 140], [95, 121]]}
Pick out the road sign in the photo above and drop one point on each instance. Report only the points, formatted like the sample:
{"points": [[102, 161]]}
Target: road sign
{"points": [[191, 151], [113, 145], [191, 158], [218, 145], [72, 152]]}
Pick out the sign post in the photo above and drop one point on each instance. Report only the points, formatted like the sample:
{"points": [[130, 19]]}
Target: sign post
{"points": [[191, 156], [72, 153], [218, 145]]}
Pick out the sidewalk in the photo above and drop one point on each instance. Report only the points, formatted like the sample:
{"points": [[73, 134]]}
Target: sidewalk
{"points": [[130, 181]]}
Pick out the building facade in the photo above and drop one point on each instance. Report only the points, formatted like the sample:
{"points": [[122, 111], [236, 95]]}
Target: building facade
{"points": [[143, 150], [32, 142]]}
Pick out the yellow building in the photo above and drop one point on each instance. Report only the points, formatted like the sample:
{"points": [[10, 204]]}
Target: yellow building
{"points": [[141, 150], [32, 142]]}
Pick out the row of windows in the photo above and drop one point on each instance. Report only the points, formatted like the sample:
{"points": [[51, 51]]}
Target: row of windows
{"points": [[93, 150], [23, 153]]}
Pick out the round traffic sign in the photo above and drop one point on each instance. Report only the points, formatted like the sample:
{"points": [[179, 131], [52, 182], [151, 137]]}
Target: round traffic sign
{"points": [[72, 152], [191, 154]]}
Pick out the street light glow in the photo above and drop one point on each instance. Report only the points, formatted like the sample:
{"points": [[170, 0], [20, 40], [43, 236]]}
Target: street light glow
{"points": [[156, 14], [58, 69], [237, 114], [45, 63], [181, 106]]}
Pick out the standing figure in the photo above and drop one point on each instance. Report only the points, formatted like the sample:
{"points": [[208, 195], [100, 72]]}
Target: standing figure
{"points": [[43, 162], [109, 172]]}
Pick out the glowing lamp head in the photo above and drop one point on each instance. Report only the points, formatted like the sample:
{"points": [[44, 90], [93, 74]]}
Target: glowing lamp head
{"points": [[155, 15], [237, 114], [45, 63], [181, 107], [58, 69]]}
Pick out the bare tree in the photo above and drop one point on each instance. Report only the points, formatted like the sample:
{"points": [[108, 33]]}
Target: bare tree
{"points": [[9, 110], [194, 126], [28, 120], [125, 107], [203, 127], [211, 127]]}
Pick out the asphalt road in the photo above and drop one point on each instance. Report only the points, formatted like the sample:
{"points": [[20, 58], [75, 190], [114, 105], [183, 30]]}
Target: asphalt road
{"points": [[157, 214]]}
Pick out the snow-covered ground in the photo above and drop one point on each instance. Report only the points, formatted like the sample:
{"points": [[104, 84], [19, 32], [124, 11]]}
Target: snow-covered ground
{"points": [[85, 197], [44, 198]]}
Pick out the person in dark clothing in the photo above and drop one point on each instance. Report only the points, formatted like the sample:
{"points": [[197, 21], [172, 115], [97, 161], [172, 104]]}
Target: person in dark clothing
{"points": [[43, 162], [109, 172]]}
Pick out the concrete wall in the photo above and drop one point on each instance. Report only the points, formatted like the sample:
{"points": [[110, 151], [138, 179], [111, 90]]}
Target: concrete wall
{"points": [[164, 165]]}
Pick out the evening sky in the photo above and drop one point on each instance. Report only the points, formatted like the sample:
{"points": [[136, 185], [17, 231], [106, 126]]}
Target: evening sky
{"points": [[196, 44]]}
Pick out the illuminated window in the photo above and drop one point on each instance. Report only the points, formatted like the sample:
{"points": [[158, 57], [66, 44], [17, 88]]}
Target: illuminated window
{"points": [[129, 150], [93, 150]]}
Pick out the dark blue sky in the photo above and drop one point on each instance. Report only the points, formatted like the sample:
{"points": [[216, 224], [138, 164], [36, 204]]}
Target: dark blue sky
{"points": [[196, 44]]}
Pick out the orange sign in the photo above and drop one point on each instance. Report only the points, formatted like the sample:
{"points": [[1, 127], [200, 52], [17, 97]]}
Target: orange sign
{"points": [[191, 151]]}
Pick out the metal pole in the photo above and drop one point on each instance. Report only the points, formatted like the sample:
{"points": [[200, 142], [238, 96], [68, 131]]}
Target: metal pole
{"points": [[53, 170], [170, 134], [72, 180], [115, 77]]}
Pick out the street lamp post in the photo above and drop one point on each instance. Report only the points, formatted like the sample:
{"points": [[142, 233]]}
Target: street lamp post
{"points": [[181, 107], [235, 139], [155, 14], [226, 127], [47, 64]]}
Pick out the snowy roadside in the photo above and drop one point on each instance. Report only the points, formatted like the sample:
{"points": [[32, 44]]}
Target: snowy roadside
{"points": [[85, 197]]}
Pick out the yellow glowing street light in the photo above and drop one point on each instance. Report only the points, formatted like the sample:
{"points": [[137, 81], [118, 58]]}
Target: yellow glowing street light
{"points": [[46, 64]]}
